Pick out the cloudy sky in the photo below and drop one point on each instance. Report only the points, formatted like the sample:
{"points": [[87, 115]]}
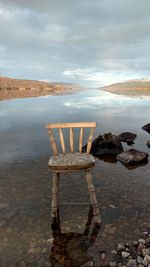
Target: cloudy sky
{"points": [[93, 43]]}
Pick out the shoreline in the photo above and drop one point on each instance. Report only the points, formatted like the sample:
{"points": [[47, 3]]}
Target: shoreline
{"points": [[35, 93]]}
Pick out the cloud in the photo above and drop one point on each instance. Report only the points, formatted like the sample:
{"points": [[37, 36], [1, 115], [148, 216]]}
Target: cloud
{"points": [[97, 39]]}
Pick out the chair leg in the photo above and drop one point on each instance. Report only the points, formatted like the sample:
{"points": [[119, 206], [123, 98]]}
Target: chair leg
{"points": [[55, 212], [97, 217]]}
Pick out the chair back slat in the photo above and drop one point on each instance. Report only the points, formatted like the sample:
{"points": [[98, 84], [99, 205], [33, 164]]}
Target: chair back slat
{"points": [[62, 141], [71, 125], [89, 144], [71, 140], [81, 125], [81, 139], [52, 142]]}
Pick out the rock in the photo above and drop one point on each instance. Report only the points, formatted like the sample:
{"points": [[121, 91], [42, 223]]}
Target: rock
{"points": [[142, 241], [127, 137], [132, 156], [125, 254], [147, 241], [146, 251], [139, 248], [114, 252], [50, 241], [146, 128], [148, 143], [112, 264], [120, 247], [106, 144], [147, 259], [88, 264], [135, 243], [139, 260], [103, 255], [131, 263]]}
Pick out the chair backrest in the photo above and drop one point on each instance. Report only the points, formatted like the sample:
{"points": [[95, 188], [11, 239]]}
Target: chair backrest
{"points": [[71, 125]]}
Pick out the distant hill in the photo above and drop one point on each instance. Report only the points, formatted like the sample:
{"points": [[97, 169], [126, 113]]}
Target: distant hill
{"points": [[131, 87], [17, 88]]}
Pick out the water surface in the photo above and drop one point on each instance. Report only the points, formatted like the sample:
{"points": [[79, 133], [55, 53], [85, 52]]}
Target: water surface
{"points": [[25, 180]]}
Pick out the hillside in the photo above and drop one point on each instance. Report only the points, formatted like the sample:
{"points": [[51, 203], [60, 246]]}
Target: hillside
{"points": [[17, 88], [131, 88]]}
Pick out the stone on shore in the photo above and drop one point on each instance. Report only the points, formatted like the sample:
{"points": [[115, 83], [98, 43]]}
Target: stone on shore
{"points": [[148, 143], [107, 144], [132, 156], [127, 137], [146, 128]]}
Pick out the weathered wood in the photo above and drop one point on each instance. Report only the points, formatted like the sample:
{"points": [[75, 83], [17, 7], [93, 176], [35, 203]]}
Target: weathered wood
{"points": [[90, 139], [93, 199], [52, 142], [62, 141], [81, 139], [54, 212], [71, 140], [71, 161], [72, 125]]}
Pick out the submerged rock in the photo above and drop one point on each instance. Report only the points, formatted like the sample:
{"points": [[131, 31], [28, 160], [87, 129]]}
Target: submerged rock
{"points": [[107, 144], [132, 156], [127, 137], [148, 143], [146, 128]]}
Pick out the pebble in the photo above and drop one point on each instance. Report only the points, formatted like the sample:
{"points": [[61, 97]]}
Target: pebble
{"points": [[103, 255], [147, 259], [135, 243], [142, 241], [146, 251], [50, 241], [131, 263], [120, 247], [147, 241], [125, 254], [112, 264], [88, 264]]}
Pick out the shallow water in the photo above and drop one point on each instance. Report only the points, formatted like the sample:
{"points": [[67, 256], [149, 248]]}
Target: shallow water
{"points": [[25, 180]]}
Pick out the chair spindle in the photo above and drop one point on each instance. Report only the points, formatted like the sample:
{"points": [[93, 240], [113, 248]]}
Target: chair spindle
{"points": [[62, 141], [71, 140], [90, 140], [52, 142], [81, 139]]}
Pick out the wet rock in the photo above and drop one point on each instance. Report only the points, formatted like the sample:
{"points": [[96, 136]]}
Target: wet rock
{"points": [[146, 128], [148, 143], [106, 144], [132, 156], [127, 137]]}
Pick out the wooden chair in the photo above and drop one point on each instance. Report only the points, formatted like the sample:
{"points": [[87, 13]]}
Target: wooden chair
{"points": [[72, 161]]}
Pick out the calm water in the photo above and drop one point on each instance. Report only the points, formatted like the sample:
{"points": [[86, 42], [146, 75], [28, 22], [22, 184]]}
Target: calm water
{"points": [[25, 180]]}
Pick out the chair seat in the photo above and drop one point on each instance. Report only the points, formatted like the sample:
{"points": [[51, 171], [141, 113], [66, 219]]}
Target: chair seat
{"points": [[71, 161]]}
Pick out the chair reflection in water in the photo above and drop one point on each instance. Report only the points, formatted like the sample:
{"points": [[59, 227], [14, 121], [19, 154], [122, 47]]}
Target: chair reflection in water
{"points": [[73, 161], [71, 249]]}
